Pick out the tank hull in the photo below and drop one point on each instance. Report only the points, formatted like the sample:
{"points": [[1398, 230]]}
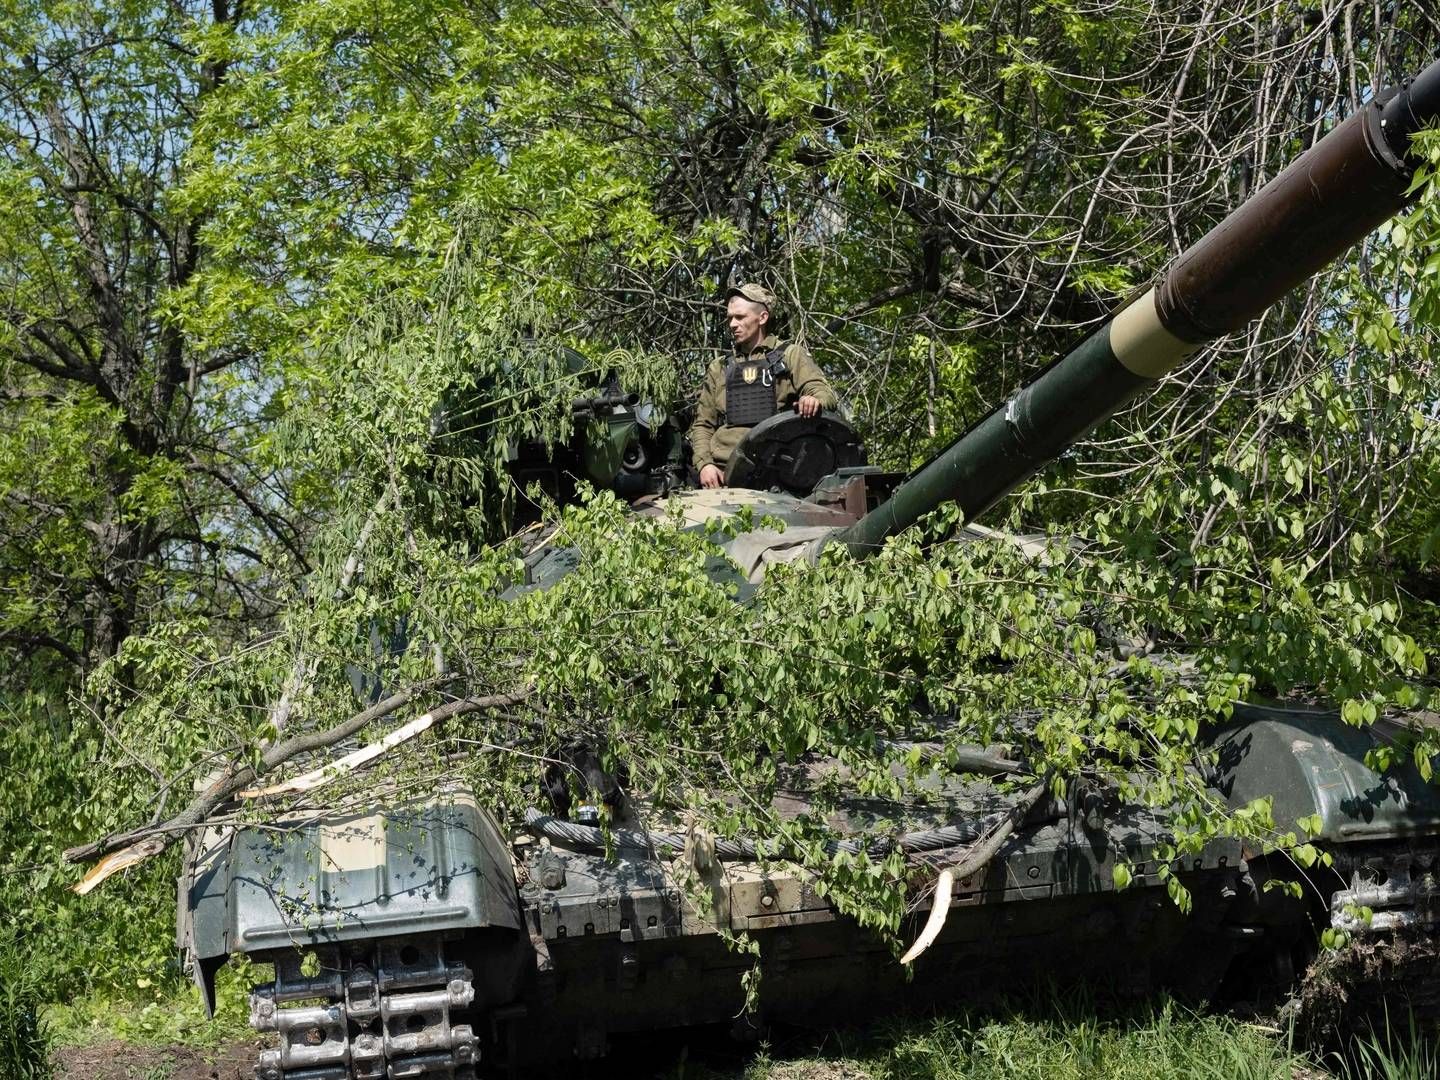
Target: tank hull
{"points": [[441, 942]]}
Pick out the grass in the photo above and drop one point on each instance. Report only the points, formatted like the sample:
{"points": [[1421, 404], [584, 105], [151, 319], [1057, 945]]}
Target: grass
{"points": [[1391, 1054], [1055, 1038], [169, 1015], [24, 1033], [1169, 1042]]}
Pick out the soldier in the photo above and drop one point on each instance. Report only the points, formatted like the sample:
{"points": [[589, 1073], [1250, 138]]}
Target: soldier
{"points": [[765, 376]]}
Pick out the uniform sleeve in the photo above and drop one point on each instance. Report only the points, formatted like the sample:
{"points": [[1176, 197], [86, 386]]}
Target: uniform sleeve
{"points": [[808, 377], [707, 418]]}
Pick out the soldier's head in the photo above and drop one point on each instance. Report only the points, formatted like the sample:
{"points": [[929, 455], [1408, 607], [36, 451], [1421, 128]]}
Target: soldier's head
{"points": [[750, 311]]}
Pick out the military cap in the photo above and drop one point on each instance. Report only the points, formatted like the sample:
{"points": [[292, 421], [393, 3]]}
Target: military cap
{"points": [[754, 292]]}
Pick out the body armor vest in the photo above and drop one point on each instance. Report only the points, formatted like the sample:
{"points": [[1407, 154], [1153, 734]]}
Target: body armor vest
{"points": [[750, 394]]}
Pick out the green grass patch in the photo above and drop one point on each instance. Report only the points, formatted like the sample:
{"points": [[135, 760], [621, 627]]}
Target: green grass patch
{"points": [[1395, 1052], [1051, 1038], [1167, 1041], [162, 1015], [24, 1033]]}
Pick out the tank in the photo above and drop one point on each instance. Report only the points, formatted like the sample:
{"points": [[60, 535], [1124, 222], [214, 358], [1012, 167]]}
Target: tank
{"points": [[430, 939]]}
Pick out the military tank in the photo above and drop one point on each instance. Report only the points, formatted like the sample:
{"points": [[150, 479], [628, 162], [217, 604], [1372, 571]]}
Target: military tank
{"points": [[429, 939]]}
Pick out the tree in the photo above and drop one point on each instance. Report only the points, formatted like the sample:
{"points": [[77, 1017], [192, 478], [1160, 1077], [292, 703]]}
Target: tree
{"points": [[133, 480], [984, 180]]}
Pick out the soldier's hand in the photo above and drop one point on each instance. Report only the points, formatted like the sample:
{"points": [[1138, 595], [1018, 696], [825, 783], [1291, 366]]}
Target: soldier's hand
{"points": [[808, 406], [712, 477]]}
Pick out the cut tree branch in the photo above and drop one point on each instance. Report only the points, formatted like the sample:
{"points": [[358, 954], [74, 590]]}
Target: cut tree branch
{"points": [[236, 776], [976, 859]]}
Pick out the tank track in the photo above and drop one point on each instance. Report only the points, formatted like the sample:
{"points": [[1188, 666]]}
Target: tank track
{"points": [[1389, 973], [374, 1009]]}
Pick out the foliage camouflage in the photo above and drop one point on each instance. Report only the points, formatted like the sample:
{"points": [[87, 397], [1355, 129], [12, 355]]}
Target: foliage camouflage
{"points": [[941, 198]]}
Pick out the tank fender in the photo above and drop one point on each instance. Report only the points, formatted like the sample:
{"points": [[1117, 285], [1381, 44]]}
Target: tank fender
{"points": [[428, 867], [1310, 762]]}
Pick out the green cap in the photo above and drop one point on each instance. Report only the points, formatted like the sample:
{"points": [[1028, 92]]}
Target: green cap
{"points": [[754, 292]]}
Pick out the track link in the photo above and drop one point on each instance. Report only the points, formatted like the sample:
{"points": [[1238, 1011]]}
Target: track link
{"points": [[383, 1010]]}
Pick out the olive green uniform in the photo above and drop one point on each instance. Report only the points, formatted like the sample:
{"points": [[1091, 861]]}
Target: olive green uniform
{"points": [[712, 440]]}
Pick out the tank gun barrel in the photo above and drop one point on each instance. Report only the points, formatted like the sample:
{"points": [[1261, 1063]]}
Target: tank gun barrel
{"points": [[1321, 205]]}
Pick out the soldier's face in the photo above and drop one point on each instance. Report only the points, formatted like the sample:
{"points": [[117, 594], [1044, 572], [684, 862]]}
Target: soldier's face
{"points": [[747, 321]]}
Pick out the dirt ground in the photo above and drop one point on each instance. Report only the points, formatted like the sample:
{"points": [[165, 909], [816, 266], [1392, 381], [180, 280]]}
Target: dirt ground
{"points": [[126, 1061]]}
